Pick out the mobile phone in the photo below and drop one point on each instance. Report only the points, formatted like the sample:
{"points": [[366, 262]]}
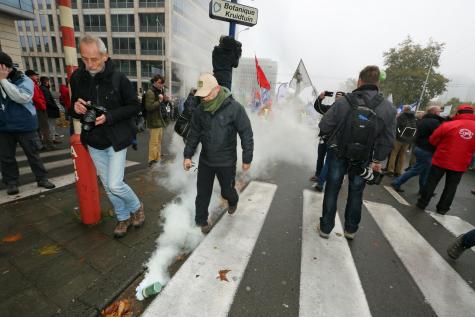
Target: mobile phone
{"points": [[328, 94]]}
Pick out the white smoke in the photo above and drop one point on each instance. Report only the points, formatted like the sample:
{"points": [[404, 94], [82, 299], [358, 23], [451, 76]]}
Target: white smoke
{"points": [[286, 134]]}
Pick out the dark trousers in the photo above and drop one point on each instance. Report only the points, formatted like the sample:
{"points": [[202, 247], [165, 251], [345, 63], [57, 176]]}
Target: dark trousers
{"points": [[322, 151], [452, 179], [226, 177], [337, 170], [29, 142], [44, 127], [469, 239]]}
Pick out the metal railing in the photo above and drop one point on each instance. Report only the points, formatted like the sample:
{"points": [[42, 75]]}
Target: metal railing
{"points": [[151, 52], [121, 4], [120, 28], [151, 28], [126, 51], [151, 3]]}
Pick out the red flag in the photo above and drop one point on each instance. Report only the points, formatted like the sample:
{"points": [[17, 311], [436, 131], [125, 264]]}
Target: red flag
{"points": [[261, 77]]}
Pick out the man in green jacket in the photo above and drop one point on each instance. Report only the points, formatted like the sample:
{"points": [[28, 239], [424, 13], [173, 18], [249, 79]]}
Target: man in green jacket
{"points": [[155, 123]]}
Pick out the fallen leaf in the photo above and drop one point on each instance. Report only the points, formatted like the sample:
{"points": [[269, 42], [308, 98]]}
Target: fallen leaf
{"points": [[338, 234], [117, 309], [12, 238], [49, 249], [180, 258], [222, 275]]}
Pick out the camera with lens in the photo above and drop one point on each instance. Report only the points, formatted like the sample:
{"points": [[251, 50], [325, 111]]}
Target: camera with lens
{"points": [[89, 118], [370, 177]]}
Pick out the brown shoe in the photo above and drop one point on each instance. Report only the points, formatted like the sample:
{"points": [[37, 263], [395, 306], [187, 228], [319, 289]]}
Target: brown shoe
{"points": [[138, 218], [232, 209], [206, 228], [121, 228]]}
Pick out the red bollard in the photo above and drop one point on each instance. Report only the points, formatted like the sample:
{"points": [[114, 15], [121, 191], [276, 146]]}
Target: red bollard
{"points": [[86, 182]]}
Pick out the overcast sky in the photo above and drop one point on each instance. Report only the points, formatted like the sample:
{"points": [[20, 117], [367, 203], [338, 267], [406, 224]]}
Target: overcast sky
{"points": [[337, 38]]}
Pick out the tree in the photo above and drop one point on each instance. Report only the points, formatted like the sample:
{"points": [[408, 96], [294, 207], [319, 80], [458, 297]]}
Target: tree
{"points": [[406, 70]]}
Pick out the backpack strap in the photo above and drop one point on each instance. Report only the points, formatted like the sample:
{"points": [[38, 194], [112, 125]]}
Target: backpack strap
{"points": [[352, 100]]}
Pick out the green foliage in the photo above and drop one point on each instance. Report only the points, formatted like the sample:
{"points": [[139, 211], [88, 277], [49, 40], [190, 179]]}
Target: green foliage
{"points": [[406, 70], [455, 102]]}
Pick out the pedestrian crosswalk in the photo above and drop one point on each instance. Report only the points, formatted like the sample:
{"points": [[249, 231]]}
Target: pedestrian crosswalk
{"points": [[60, 169], [330, 283]]}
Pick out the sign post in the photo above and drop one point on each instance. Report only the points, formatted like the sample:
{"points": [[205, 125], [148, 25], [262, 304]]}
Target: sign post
{"points": [[232, 12]]}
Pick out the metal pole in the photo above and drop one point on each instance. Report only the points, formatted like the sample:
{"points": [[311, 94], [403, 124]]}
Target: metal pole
{"points": [[163, 49], [232, 25], [424, 86]]}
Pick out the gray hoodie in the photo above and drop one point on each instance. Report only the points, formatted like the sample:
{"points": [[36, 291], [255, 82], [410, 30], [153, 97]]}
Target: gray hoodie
{"points": [[385, 130]]}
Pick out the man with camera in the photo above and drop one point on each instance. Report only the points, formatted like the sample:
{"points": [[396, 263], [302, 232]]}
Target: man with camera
{"points": [[154, 98], [105, 101], [18, 124], [361, 130]]}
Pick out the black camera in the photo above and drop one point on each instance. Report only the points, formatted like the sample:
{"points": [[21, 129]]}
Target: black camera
{"points": [[370, 177], [89, 118], [328, 94]]}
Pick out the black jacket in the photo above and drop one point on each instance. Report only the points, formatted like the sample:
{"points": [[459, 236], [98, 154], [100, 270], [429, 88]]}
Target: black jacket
{"points": [[425, 127], [319, 107], [120, 100], [403, 121], [218, 135], [51, 107]]}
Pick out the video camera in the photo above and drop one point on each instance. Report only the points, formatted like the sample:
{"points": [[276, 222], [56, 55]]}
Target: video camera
{"points": [[89, 119]]}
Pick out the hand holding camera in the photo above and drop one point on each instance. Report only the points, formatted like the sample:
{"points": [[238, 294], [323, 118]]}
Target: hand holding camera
{"points": [[94, 115]]}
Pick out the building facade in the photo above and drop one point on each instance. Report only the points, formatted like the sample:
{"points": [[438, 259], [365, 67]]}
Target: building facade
{"points": [[143, 37], [245, 78], [10, 11]]}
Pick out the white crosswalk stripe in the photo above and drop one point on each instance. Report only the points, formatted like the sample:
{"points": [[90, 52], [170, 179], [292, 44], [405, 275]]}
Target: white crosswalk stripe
{"points": [[319, 295], [327, 266], [453, 224], [228, 246]]}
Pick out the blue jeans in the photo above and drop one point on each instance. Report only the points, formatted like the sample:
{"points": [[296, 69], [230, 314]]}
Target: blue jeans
{"points": [[337, 169], [322, 178], [110, 165], [421, 168], [469, 239]]}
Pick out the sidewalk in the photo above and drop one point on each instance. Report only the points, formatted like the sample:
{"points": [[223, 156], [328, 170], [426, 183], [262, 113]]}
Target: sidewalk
{"points": [[53, 265]]}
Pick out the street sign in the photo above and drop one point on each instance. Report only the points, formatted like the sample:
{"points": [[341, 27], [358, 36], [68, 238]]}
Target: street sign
{"points": [[232, 12]]}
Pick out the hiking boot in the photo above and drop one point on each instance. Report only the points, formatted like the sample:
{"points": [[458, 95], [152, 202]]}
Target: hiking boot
{"points": [[12, 189], [138, 218], [389, 174], [322, 234], [121, 228], [318, 187], [46, 184], [419, 205], [152, 163], [206, 228], [349, 235], [441, 212], [232, 209], [397, 188], [456, 249]]}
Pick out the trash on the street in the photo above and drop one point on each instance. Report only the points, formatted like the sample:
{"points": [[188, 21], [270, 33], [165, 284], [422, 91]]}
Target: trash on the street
{"points": [[151, 290]]}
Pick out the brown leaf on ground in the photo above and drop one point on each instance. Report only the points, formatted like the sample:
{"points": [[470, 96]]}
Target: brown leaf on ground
{"points": [[180, 258], [118, 308], [49, 249], [222, 275], [12, 238]]}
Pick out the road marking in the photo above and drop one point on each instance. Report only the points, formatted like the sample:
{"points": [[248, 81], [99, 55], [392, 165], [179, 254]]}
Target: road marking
{"points": [[453, 224], [397, 196], [329, 281], [195, 289], [48, 166], [46, 154], [444, 289], [33, 189]]}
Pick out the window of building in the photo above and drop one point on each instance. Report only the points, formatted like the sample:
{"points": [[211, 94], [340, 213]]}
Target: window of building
{"points": [[38, 43], [40, 5], [43, 22], [92, 4], [30, 43], [122, 23], [127, 67], [50, 64], [51, 23], [123, 45], [48, 4], [26, 63], [23, 43], [152, 22], [94, 23], [27, 26], [43, 68], [35, 65], [151, 3], [54, 46], [35, 24], [121, 3], [19, 25], [52, 83], [46, 43], [74, 4], [152, 45], [104, 39], [76, 22], [150, 68], [57, 62]]}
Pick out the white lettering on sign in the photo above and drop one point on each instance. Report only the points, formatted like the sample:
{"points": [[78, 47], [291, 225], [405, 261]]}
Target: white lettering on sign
{"points": [[233, 12], [73, 152]]}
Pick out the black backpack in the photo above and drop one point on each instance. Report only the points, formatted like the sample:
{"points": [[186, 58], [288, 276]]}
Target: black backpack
{"points": [[354, 137], [406, 128]]}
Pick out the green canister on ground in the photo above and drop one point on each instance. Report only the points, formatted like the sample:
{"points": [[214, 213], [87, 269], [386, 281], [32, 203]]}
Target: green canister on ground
{"points": [[151, 290]]}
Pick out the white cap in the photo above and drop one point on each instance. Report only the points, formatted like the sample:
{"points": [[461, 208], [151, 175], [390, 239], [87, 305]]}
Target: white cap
{"points": [[206, 83]]}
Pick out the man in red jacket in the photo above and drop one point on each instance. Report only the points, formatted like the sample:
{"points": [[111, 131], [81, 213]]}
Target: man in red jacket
{"points": [[455, 145]]}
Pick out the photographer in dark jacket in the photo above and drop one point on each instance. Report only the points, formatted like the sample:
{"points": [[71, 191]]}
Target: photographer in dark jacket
{"points": [[215, 124], [99, 84], [423, 150], [52, 109]]}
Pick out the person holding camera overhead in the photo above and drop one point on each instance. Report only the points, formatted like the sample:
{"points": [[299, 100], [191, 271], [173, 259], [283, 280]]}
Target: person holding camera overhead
{"points": [[106, 102], [361, 129]]}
